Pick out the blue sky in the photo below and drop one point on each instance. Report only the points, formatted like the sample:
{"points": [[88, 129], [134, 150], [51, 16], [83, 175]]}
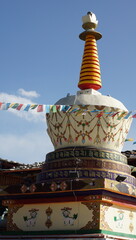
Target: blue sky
{"points": [[40, 59]]}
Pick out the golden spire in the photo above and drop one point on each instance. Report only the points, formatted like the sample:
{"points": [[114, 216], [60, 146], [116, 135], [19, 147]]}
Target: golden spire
{"points": [[90, 77]]}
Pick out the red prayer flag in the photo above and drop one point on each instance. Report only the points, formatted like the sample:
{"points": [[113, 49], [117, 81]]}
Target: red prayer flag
{"points": [[0, 104], [134, 116], [40, 108], [114, 114], [100, 114], [19, 107]]}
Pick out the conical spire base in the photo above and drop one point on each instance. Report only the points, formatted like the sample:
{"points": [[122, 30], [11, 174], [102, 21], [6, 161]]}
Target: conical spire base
{"points": [[90, 77]]}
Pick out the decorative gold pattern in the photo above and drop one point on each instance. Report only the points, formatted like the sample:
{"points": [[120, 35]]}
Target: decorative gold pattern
{"points": [[131, 227], [103, 223], [10, 225], [131, 215], [54, 186], [94, 223], [48, 222], [25, 188]]}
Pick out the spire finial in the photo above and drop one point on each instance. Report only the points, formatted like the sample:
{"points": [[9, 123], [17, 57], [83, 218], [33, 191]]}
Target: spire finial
{"points": [[89, 21], [89, 24], [90, 77]]}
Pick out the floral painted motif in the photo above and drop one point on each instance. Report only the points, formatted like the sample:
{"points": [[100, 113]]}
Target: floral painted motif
{"points": [[31, 219], [119, 219], [68, 219]]}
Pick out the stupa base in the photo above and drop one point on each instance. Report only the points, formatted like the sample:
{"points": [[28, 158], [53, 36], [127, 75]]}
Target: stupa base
{"points": [[87, 214]]}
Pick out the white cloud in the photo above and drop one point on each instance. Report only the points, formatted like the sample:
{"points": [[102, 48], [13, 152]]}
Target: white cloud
{"points": [[28, 148], [31, 115], [5, 97], [29, 94]]}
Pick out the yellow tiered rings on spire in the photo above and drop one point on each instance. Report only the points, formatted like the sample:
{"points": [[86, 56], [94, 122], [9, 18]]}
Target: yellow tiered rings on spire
{"points": [[90, 77]]}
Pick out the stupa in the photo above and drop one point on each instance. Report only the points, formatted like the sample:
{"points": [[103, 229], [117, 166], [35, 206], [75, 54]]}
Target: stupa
{"points": [[85, 188]]}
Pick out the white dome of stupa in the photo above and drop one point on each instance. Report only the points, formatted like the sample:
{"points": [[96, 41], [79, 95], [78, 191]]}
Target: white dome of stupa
{"points": [[91, 97]]}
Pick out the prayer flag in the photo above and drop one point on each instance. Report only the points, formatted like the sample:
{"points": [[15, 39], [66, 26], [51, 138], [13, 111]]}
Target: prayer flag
{"points": [[33, 106], [95, 110], [128, 115], [19, 107], [109, 113], [3, 107], [134, 116], [15, 105], [27, 107], [40, 108], [0, 104], [74, 110], [79, 112], [7, 106], [57, 107], [65, 108], [129, 139], [121, 115], [11, 105], [47, 108], [113, 115], [54, 108], [100, 114]]}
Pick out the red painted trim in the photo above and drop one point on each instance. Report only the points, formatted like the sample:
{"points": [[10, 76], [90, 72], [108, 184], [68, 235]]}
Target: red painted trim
{"points": [[88, 86]]}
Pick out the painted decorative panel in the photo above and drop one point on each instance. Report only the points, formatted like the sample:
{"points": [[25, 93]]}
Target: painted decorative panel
{"points": [[59, 216], [118, 219]]}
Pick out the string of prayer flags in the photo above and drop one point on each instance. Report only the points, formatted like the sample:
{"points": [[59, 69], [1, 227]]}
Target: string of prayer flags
{"points": [[78, 110]]}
